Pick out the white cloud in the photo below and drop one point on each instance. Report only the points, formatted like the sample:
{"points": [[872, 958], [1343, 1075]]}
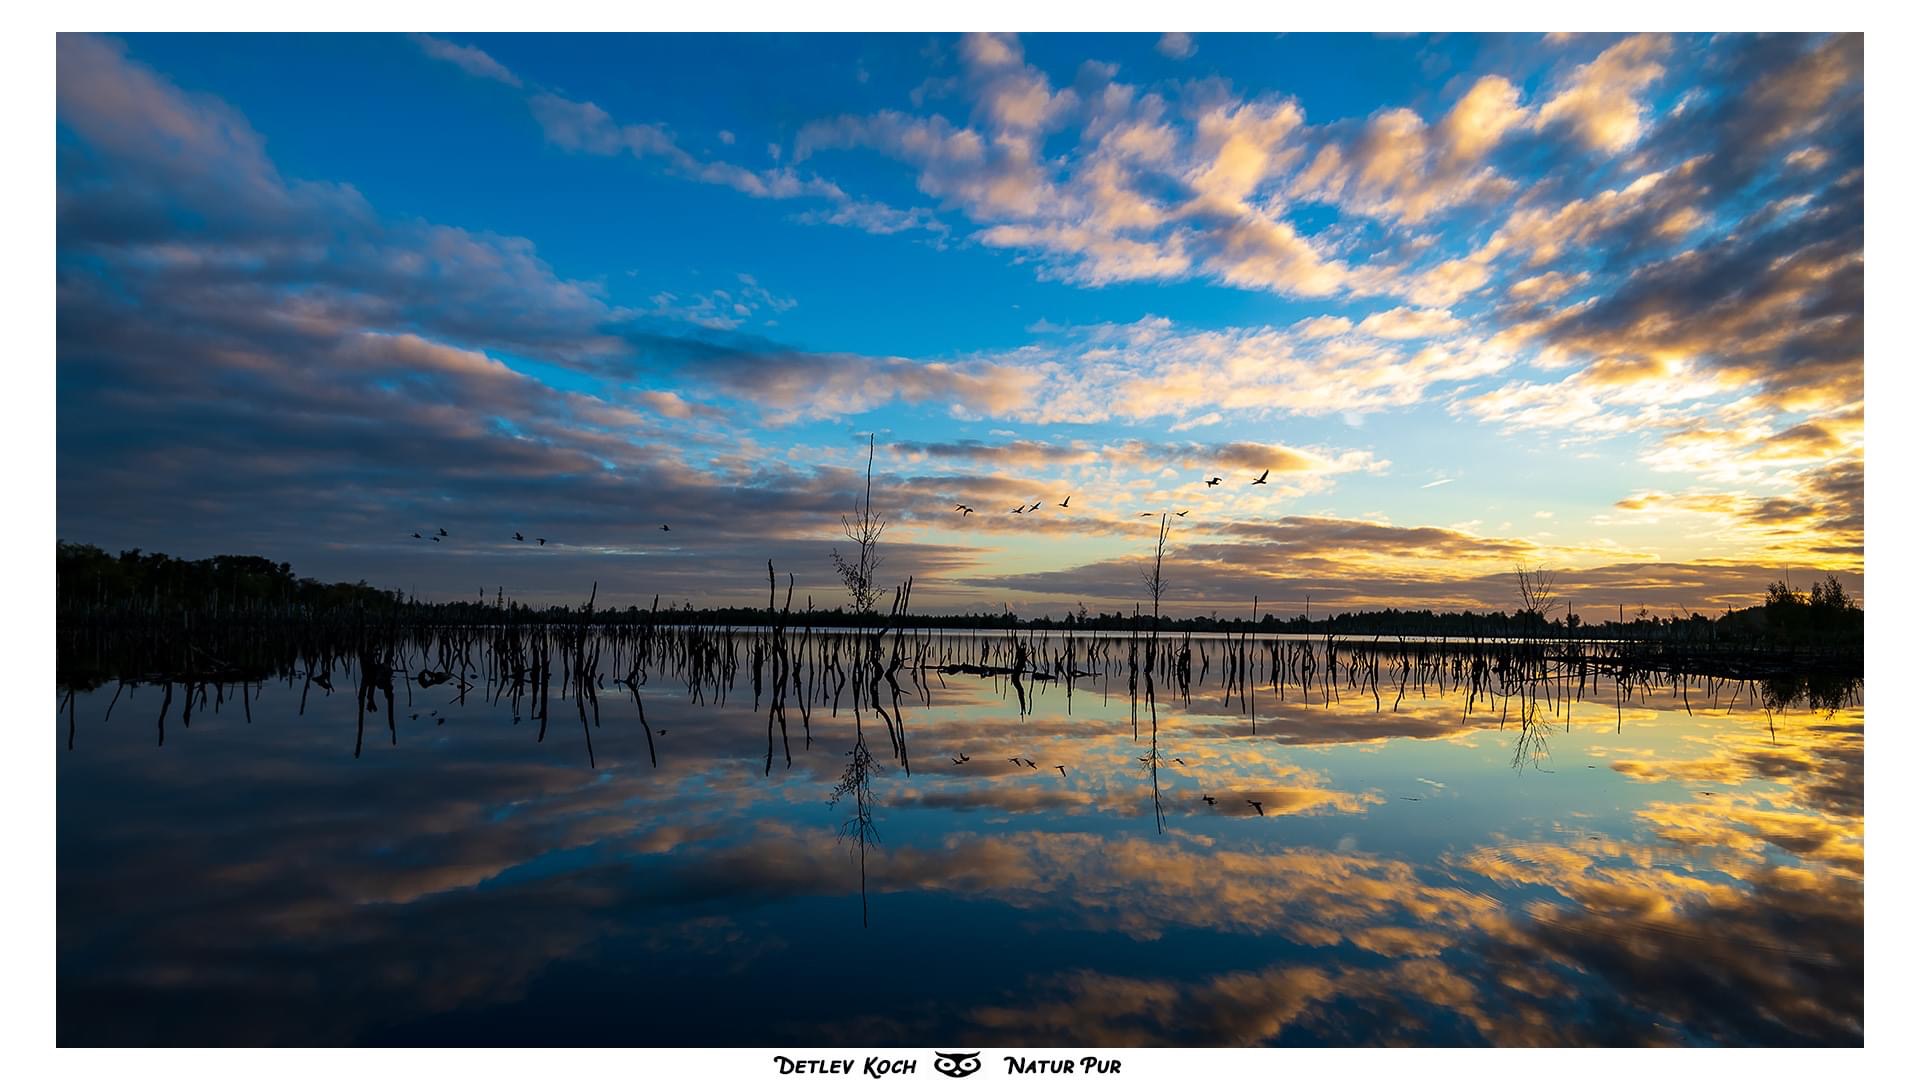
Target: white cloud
{"points": [[1176, 46]]}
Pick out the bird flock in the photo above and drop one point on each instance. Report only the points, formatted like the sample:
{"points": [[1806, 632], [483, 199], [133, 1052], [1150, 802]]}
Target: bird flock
{"points": [[439, 535], [1034, 507]]}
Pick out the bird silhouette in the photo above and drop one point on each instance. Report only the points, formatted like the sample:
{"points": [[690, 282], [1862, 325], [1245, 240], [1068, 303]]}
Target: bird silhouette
{"points": [[1182, 761], [1256, 807], [518, 538], [963, 508], [1263, 476], [1034, 507], [1062, 768], [1021, 509], [1147, 514], [1183, 513], [1013, 761], [1065, 501], [417, 536], [666, 528], [962, 760], [542, 539], [435, 539], [1213, 482], [1028, 762], [443, 532], [1209, 800]]}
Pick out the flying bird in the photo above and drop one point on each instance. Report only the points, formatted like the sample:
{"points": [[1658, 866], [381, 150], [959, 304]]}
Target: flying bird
{"points": [[1065, 501], [1213, 482], [1263, 476], [1182, 761], [1183, 513], [1209, 800], [963, 508], [665, 528], [1062, 768], [435, 539], [962, 760], [1256, 807], [1028, 762], [1013, 761], [443, 532], [542, 539], [1034, 507], [417, 536], [1021, 509], [518, 538]]}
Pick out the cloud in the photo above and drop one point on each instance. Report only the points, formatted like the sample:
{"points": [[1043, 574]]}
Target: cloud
{"points": [[1176, 46], [1398, 167], [795, 385], [584, 127], [1600, 101], [467, 58], [1403, 324], [304, 375], [1098, 221], [1153, 369]]}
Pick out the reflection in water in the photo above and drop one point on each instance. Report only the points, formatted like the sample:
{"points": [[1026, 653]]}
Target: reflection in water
{"points": [[1511, 843]]}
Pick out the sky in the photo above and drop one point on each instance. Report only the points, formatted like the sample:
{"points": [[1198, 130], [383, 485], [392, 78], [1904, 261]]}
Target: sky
{"points": [[1587, 302]]}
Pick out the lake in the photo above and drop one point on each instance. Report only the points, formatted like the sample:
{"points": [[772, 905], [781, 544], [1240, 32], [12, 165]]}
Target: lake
{"points": [[1362, 856]]}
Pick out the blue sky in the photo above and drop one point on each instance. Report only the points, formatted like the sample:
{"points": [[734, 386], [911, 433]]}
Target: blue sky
{"points": [[1590, 302]]}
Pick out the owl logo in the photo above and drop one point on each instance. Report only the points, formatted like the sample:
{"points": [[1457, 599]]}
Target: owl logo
{"points": [[957, 1064]]}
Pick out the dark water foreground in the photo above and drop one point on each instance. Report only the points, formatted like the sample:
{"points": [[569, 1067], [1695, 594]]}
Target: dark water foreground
{"points": [[1451, 844]]}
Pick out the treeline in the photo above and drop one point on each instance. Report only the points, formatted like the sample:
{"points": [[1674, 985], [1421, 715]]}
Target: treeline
{"points": [[137, 582], [134, 584], [1824, 614]]}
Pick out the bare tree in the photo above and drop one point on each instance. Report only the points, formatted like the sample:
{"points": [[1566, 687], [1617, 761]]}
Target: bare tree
{"points": [[1156, 583], [858, 831], [1538, 591], [864, 529]]}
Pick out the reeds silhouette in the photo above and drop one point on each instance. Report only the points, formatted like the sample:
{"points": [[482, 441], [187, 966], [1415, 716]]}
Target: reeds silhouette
{"points": [[398, 656]]}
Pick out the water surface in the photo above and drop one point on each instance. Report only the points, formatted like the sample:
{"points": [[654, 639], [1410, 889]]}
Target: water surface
{"points": [[1672, 863]]}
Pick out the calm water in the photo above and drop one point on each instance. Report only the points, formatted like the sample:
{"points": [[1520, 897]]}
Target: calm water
{"points": [[1662, 870]]}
